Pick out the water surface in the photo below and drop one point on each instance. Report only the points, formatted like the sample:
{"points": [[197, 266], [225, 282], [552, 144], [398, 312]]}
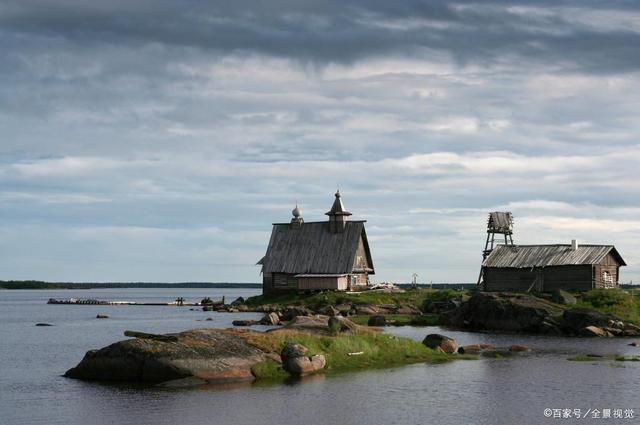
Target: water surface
{"points": [[488, 391]]}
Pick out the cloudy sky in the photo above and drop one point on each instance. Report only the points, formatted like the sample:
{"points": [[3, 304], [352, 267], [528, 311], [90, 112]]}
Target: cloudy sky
{"points": [[158, 140]]}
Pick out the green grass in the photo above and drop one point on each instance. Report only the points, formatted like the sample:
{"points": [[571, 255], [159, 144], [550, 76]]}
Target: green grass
{"points": [[628, 358], [622, 303], [414, 297], [379, 350]]}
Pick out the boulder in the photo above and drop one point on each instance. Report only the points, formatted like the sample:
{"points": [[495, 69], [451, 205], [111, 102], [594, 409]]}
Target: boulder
{"points": [[593, 331], [238, 301], [295, 360], [446, 344], [214, 355], [44, 324], [242, 308], [519, 348], [290, 312], [328, 310], [268, 308], [633, 344], [576, 319], [563, 297], [470, 349], [270, 319], [101, 316], [209, 319], [343, 308], [502, 312], [366, 309], [377, 321], [244, 322]]}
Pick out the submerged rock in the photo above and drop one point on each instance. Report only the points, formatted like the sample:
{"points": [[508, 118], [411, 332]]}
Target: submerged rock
{"points": [[214, 355], [101, 316], [435, 341], [44, 324]]}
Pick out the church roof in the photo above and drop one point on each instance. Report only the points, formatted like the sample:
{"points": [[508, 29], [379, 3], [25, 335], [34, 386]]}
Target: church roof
{"points": [[314, 249]]}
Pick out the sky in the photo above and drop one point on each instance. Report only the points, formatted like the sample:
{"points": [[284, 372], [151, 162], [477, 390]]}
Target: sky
{"points": [[158, 140]]}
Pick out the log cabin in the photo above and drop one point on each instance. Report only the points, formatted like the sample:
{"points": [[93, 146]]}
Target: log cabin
{"points": [[545, 268], [314, 256]]}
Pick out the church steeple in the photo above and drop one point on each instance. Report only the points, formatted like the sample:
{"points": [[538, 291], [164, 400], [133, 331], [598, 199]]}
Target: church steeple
{"points": [[337, 215]]}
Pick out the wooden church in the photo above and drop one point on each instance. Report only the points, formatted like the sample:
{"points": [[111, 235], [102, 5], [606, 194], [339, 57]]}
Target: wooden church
{"points": [[322, 255]]}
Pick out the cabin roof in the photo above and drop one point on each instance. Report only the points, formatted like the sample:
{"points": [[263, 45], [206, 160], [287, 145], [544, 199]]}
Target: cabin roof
{"points": [[527, 256], [313, 249]]}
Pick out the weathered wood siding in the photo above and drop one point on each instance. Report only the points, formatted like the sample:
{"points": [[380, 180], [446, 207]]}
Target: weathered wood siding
{"points": [[609, 265], [361, 262], [568, 277], [548, 278], [323, 283]]}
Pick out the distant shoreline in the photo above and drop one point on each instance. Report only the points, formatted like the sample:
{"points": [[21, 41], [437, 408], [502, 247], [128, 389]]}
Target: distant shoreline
{"points": [[36, 284]]}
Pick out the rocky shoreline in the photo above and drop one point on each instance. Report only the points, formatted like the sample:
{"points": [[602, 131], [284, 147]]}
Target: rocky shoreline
{"points": [[304, 346]]}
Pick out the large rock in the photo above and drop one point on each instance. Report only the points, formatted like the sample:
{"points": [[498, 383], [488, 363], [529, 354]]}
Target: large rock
{"points": [[435, 341], [367, 309], [563, 297], [594, 331], [295, 360], [328, 310], [214, 355], [290, 312], [270, 319], [323, 325], [503, 312], [576, 319]]}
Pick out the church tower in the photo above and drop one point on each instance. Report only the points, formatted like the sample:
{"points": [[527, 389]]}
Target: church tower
{"points": [[338, 215]]}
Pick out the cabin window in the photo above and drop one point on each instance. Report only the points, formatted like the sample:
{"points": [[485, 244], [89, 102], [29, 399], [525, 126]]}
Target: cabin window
{"points": [[607, 279], [354, 280]]}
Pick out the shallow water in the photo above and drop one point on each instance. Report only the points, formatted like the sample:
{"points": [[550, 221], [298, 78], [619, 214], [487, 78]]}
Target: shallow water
{"points": [[512, 390]]}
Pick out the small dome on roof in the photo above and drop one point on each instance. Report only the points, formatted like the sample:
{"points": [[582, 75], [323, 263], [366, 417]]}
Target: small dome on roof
{"points": [[297, 212]]}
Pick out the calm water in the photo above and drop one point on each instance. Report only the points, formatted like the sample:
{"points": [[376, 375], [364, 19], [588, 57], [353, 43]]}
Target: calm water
{"points": [[487, 391]]}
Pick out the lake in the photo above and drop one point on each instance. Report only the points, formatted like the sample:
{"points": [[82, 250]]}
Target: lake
{"points": [[514, 390]]}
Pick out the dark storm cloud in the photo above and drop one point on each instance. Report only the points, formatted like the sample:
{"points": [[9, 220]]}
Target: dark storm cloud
{"points": [[337, 31]]}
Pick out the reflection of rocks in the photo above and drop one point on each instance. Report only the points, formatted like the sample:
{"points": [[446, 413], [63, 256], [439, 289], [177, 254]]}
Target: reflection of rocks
{"points": [[437, 341]]}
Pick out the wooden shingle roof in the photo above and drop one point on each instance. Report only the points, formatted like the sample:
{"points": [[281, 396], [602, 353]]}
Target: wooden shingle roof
{"points": [[527, 256], [313, 249]]}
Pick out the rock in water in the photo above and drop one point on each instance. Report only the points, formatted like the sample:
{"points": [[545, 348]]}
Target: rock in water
{"points": [[446, 344], [214, 355], [101, 316], [270, 319], [244, 322], [44, 324], [377, 321], [593, 331], [518, 348]]}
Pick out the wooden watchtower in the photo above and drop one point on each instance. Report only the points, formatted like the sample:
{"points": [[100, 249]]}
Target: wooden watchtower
{"points": [[499, 223]]}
